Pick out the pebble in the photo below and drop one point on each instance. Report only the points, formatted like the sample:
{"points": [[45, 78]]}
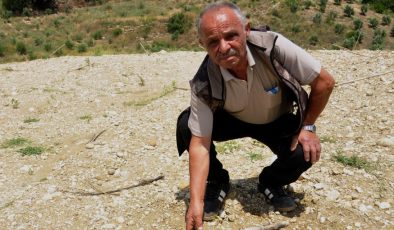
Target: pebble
{"points": [[386, 142], [333, 195], [322, 219], [384, 205], [89, 146]]}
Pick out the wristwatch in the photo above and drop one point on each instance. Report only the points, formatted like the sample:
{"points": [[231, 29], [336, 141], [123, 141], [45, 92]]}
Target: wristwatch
{"points": [[310, 128]]}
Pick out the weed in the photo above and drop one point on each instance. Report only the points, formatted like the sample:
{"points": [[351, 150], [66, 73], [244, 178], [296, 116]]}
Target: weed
{"points": [[31, 120], [97, 35], [364, 9], [386, 20], [227, 146], [332, 15], [69, 44], [358, 24], [337, 2], [31, 150], [116, 32], [38, 41], [15, 142], [48, 46], [348, 11], [15, 103], [179, 23], [2, 50], [255, 156], [373, 23], [167, 90], [88, 117], [317, 18], [21, 48], [353, 161], [313, 40], [327, 139], [82, 48], [339, 28]]}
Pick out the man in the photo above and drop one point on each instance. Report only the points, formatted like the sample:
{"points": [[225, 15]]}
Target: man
{"points": [[249, 85]]}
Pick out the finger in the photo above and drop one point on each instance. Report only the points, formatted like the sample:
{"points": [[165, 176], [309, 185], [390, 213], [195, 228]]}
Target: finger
{"points": [[318, 152], [198, 224], [312, 154], [189, 224], [294, 143], [306, 152]]}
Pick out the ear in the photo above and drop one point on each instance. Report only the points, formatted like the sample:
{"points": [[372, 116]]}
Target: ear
{"points": [[247, 28]]}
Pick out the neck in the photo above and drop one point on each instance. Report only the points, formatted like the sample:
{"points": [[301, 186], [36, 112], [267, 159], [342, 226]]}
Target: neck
{"points": [[241, 71]]}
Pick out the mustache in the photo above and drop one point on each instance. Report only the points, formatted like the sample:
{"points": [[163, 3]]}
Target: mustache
{"points": [[230, 52]]}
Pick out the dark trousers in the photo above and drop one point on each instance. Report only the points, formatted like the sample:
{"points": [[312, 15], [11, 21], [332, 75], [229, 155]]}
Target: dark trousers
{"points": [[276, 135]]}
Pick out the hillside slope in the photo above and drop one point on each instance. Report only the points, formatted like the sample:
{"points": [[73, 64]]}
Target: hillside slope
{"points": [[107, 123]]}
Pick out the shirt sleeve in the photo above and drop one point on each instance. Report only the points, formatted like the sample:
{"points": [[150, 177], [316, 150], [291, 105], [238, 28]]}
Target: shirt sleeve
{"points": [[297, 61], [201, 118]]}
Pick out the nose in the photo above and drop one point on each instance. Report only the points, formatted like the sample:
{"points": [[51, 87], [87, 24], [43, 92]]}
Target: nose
{"points": [[224, 46]]}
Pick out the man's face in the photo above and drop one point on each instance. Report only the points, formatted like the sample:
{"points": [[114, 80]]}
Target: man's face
{"points": [[223, 35]]}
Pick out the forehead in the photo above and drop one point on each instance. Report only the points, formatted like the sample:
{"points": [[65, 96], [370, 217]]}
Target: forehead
{"points": [[220, 17]]}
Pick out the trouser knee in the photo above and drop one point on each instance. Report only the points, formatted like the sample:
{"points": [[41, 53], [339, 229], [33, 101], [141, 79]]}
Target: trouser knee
{"points": [[183, 134]]}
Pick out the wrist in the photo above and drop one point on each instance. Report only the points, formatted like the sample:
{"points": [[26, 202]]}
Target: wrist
{"points": [[309, 127]]}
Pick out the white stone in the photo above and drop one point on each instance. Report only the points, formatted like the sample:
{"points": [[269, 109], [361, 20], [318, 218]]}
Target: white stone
{"points": [[384, 205], [333, 195]]}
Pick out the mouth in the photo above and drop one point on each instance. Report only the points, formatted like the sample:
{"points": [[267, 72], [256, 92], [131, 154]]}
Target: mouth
{"points": [[231, 53]]}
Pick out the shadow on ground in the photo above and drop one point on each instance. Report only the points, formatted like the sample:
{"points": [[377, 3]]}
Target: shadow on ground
{"points": [[246, 193]]}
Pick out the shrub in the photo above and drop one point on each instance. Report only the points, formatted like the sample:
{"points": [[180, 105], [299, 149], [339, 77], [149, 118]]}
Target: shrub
{"points": [[97, 35], [91, 43], [317, 18], [356, 34], [82, 48], [31, 55], [116, 32], [392, 32], [47, 46], [332, 15], [159, 45], [348, 11], [337, 2], [364, 9], [27, 12], [358, 24], [349, 43], [307, 4], [373, 23], [313, 40], [147, 26], [21, 48], [296, 28], [323, 5], [275, 13], [378, 39], [2, 50], [56, 23], [15, 6], [179, 23], [339, 28], [38, 41], [69, 44], [386, 20]]}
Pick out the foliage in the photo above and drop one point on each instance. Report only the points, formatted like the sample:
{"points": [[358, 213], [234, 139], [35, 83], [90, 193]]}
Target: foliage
{"points": [[356, 34], [364, 9], [31, 150], [97, 35], [31, 120], [339, 28], [373, 23], [332, 15], [21, 48], [358, 24], [353, 161], [378, 39], [15, 142], [323, 5], [348, 11], [179, 23], [317, 18], [349, 42], [116, 32], [2, 50], [386, 20], [337, 2], [69, 44], [82, 48], [24, 6], [313, 40], [227, 146], [380, 5], [392, 32], [293, 4], [307, 4]]}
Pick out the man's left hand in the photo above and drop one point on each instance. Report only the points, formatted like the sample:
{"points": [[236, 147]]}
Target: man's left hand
{"points": [[310, 143]]}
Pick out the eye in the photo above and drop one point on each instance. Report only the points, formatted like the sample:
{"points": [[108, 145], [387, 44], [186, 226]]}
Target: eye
{"points": [[212, 43]]}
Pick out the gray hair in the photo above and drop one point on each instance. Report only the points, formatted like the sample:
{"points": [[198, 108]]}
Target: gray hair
{"points": [[219, 5]]}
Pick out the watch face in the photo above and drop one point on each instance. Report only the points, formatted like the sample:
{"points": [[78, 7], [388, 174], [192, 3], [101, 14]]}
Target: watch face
{"points": [[311, 128]]}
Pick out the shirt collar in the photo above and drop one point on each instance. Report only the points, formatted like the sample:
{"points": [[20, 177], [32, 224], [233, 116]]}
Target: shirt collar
{"points": [[227, 76]]}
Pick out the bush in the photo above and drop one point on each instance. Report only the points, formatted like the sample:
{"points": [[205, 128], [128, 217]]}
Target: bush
{"points": [[323, 5], [69, 44], [116, 32], [47, 46], [2, 50], [296, 28], [179, 23], [31, 55], [349, 43], [21, 48], [6, 14], [364, 9], [356, 34], [392, 32], [16, 6], [380, 4], [97, 35], [159, 45], [348, 11], [38, 41], [337, 2], [313, 40], [378, 39], [317, 18], [82, 48], [332, 15], [386, 20], [339, 28], [358, 24], [373, 23], [307, 4], [24, 6]]}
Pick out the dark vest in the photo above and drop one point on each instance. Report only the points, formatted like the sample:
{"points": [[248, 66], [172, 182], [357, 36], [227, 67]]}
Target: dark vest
{"points": [[208, 83]]}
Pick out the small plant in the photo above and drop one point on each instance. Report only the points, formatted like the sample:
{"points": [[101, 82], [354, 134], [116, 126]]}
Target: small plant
{"points": [[48, 46], [179, 23], [116, 32], [69, 44], [15, 142], [364, 9], [313, 40], [21, 48], [307, 4], [2, 50], [332, 15], [357, 35], [358, 24], [386, 20], [14, 103], [38, 41], [348, 11], [337, 2], [82, 48], [323, 5], [97, 35], [349, 42], [293, 5], [31, 55], [275, 13], [56, 23], [353, 161], [392, 32], [317, 18], [31, 120], [327, 139], [147, 26], [296, 28], [227, 146], [255, 156], [31, 150], [373, 23], [339, 28], [88, 117], [378, 39], [91, 42]]}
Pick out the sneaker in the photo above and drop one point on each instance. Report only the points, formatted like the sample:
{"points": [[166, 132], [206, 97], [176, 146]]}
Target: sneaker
{"points": [[278, 198], [215, 194]]}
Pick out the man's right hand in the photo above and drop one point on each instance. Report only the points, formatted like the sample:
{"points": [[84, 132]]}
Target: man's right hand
{"points": [[194, 215]]}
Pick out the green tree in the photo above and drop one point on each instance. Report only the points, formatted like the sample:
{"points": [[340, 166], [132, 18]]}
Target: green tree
{"points": [[386, 20], [348, 11], [373, 23], [179, 23], [358, 24], [364, 9]]}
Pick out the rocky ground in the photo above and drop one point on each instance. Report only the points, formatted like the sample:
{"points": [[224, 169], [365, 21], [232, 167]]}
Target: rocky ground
{"points": [[107, 124]]}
